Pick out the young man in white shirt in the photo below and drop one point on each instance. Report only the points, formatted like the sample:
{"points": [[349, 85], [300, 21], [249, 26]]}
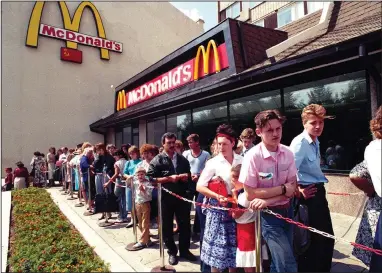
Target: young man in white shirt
{"points": [[197, 158]]}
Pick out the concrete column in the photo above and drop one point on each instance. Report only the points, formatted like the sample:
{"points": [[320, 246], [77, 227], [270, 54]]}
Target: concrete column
{"points": [[142, 132], [110, 136]]}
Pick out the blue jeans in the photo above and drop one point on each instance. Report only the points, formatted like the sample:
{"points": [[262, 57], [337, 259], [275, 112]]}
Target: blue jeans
{"points": [[122, 206], [279, 236], [129, 198], [99, 183]]}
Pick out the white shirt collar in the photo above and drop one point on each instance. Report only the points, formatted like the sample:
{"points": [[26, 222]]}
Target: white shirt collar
{"points": [[308, 138]]}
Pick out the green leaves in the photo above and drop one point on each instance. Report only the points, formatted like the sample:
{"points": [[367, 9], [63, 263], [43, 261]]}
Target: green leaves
{"points": [[43, 240]]}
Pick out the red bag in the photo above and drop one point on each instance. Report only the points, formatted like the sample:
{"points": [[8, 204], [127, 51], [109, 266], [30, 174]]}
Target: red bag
{"points": [[218, 186]]}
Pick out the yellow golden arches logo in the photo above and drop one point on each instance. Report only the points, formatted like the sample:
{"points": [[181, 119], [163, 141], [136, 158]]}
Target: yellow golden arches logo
{"points": [[69, 24], [121, 100], [206, 56]]}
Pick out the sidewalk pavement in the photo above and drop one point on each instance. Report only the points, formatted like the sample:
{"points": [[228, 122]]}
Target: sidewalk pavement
{"points": [[116, 237]]}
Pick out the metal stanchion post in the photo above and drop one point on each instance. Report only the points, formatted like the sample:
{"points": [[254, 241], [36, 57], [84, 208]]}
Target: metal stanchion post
{"points": [[130, 247], [161, 267], [106, 223], [88, 213], [70, 170], [259, 267], [80, 204], [64, 178]]}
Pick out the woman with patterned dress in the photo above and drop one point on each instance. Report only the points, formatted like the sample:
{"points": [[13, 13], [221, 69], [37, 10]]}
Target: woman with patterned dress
{"points": [[219, 244], [39, 166], [367, 177]]}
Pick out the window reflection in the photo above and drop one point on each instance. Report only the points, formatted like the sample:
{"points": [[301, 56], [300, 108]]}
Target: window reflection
{"points": [[127, 135], [155, 130], [180, 124], [344, 138], [243, 110], [207, 119], [118, 139]]}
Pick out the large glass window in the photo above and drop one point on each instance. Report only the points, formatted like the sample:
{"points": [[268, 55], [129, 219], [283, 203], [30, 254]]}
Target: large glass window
{"points": [[118, 139], [180, 124], [290, 13], [155, 130], [314, 6], [233, 11], [206, 119], [259, 23], [243, 110], [344, 138], [136, 136], [250, 4], [127, 136]]}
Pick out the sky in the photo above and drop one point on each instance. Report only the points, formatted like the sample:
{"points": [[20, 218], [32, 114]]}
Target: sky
{"points": [[204, 10]]}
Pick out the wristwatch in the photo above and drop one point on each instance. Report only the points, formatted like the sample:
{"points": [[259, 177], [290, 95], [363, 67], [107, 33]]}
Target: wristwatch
{"points": [[283, 188]]}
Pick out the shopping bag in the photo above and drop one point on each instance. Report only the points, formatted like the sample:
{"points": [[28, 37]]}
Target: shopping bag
{"points": [[106, 202]]}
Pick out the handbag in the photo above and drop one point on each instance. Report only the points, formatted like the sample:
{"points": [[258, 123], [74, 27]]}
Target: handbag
{"points": [[106, 202], [301, 237], [218, 186]]}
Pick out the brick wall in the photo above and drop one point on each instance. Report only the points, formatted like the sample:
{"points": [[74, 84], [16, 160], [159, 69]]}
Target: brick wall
{"points": [[255, 40]]}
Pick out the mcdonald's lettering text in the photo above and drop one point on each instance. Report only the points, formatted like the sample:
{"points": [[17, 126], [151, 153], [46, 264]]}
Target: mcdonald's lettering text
{"points": [[76, 37], [181, 75]]}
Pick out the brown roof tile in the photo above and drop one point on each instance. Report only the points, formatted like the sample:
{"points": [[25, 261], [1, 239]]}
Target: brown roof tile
{"points": [[348, 20], [302, 24]]}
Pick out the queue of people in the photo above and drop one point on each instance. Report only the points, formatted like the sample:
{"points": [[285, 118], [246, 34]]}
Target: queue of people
{"points": [[235, 174]]}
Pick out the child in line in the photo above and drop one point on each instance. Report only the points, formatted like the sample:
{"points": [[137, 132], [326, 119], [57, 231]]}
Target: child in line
{"points": [[245, 227], [143, 195], [8, 180]]}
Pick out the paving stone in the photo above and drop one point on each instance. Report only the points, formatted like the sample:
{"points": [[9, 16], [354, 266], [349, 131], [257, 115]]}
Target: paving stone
{"points": [[117, 237]]}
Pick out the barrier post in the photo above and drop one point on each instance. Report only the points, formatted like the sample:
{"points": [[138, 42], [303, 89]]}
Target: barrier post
{"points": [[80, 204], [130, 247], [70, 182], [64, 178], [106, 223], [161, 267], [88, 213], [60, 169], [259, 267]]}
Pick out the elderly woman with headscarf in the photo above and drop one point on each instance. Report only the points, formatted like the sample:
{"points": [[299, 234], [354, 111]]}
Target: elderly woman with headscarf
{"points": [[20, 176]]}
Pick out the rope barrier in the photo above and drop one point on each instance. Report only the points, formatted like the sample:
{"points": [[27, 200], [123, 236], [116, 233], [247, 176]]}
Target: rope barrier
{"points": [[345, 194], [300, 225]]}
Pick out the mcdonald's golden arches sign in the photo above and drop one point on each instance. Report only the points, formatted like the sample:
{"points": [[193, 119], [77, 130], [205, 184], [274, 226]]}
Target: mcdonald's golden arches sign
{"points": [[180, 75], [70, 32]]}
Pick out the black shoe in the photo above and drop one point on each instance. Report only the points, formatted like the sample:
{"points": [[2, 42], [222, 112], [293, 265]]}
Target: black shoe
{"points": [[172, 259], [188, 256]]}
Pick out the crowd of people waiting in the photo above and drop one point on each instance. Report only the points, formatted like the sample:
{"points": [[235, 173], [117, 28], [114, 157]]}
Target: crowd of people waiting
{"points": [[236, 174]]}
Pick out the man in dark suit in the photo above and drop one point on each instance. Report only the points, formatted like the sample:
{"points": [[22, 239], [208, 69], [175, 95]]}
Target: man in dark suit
{"points": [[172, 170]]}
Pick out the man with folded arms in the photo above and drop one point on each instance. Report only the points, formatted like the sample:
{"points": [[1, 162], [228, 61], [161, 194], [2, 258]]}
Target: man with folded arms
{"points": [[172, 170], [268, 173], [311, 181]]}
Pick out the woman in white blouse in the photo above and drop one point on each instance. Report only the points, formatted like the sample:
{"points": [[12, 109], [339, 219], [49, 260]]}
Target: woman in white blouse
{"points": [[373, 155], [218, 248]]}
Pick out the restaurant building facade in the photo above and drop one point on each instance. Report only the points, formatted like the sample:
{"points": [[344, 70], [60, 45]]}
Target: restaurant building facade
{"points": [[235, 70], [59, 60]]}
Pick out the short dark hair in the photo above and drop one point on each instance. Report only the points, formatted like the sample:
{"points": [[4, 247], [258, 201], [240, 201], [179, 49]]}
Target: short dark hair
{"points": [[227, 130], [37, 153], [79, 146], [168, 135], [119, 153], [100, 146], [193, 137], [263, 117]]}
